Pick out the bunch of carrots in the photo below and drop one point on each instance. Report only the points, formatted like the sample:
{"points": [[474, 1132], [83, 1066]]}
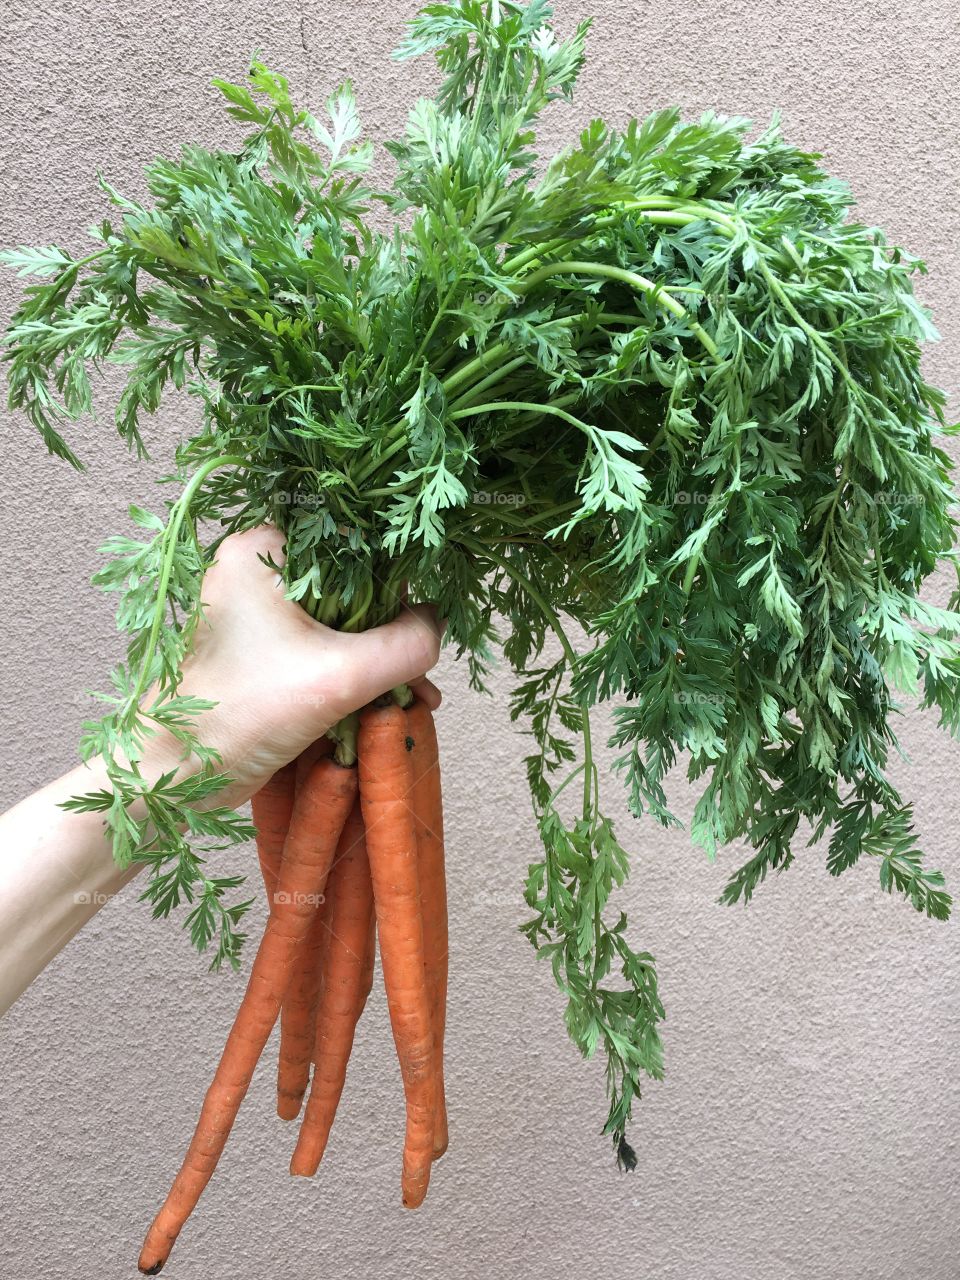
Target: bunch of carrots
{"points": [[658, 386], [348, 854]]}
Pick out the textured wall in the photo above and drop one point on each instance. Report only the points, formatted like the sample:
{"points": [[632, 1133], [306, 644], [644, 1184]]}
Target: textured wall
{"points": [[807, 1125]]}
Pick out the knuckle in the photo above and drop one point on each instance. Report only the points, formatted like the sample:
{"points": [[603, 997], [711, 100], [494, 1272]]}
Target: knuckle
{"points": [[423, 643], [351, 680]]}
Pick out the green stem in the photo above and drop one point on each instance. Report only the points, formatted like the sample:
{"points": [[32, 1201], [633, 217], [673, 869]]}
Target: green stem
{"points": [[521, 260], [91, 257], [477, 365], [522, 406], [306, 386], [370, 609], [653, 205], [450, 383], [605, 271], [491, 380], [503, 372], [665, 208], [441, 312], [358, 617], [478, 98], [542, 410], [344, 734], [397, 445], [402, 695], [327, 609]]}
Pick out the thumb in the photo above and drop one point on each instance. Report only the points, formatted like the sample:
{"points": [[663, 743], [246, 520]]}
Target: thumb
{"points": [[396, 653]]}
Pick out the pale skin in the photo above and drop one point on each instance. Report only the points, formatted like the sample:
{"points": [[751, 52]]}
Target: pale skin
{"points": [[279, 679]]}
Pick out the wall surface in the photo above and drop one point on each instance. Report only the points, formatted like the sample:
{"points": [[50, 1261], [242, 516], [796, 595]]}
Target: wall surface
{"points": [[807, 1129]]}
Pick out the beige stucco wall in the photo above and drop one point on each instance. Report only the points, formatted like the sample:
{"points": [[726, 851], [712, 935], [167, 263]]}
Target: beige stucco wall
{"points": [[807, 1127]]}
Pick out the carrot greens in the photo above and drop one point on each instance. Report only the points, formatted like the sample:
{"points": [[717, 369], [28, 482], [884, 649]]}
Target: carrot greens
{"points": [[659, 391]]}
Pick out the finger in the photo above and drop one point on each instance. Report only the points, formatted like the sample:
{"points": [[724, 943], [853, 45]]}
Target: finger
{"points": [[397, 653], [427, 692]]}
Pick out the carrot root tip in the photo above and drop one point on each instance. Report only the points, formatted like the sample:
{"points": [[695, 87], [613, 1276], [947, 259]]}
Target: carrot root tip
{"points": [[288, 1107], [414, 1189]]}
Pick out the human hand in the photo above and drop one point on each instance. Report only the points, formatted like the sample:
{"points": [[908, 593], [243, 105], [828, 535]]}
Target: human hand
{"points": [[279, 681], [279, 678]]}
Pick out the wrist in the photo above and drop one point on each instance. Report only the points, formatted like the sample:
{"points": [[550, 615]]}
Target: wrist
{"points": [[234, 738], [163, 754], [243, 756]]}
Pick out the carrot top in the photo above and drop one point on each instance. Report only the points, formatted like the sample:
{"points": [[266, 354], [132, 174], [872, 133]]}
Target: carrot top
{"points": [[660, 392]]}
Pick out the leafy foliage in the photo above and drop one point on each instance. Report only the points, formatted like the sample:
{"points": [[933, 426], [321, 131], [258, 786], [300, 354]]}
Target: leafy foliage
{"points": [[663, 387]]}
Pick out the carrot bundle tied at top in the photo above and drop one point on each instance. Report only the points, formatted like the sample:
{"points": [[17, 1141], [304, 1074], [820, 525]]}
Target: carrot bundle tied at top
{"points": [[320, 810], [386, 785]]}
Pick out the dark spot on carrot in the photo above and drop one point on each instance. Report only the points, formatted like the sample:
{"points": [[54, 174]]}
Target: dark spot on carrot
{"points": [[409, 742]]}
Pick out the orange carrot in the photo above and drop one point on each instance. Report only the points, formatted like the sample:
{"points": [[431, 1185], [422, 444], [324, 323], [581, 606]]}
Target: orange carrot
{"points": [[320, 810], [310, 755], [386, 779], [297, 1014], [427, 804], [348, 918], [298, 1021], [272, 807], [321, 955]]}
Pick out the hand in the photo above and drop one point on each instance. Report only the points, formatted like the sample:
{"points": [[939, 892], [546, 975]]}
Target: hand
{"points": [[279, 678]]}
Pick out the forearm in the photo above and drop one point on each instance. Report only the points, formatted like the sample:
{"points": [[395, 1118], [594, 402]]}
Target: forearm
{"points": [[58, 869], [56, 872]]}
